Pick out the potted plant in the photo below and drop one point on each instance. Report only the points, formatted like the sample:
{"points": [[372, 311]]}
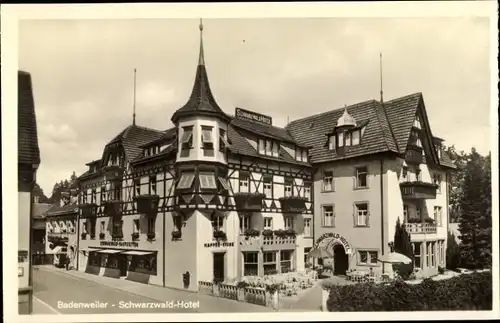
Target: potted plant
{"points": [[151, 236], [135, 236], [84, 235], [267, 233], [220, 235], [280, 233], [293, 204], [414, 220], [290, 232], [102, 235], [252, 233], [117, 236], [92, 236], [176, 235], [429, 220]]}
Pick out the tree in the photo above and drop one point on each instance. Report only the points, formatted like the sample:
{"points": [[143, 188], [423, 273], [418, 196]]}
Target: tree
{"points": [[475, 220], [456, 181], [452, 252], [402, 245], [38, 192]]}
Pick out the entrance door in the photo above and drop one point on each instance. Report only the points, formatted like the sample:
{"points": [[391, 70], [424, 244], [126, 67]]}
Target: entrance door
{"points": [[122, 264], [340, 260], [219, 266]]}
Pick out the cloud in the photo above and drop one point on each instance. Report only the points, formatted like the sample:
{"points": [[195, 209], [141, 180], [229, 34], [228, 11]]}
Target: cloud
{"points": [[83, 74]]}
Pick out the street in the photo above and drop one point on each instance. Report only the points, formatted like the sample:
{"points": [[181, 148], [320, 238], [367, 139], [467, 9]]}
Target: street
{"points": [[66, 293]]}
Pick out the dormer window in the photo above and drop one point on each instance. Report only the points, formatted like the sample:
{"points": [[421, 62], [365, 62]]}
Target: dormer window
{"points": [[331, 143], [301, 154], [355, 137], [347, 138], [276, 148], [268, 147], [187, 138], [416, 123], [341, 139]]}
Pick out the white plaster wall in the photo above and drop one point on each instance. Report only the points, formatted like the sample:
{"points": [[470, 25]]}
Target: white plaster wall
{"points": [[393, 200], [196, 153], [23, 223]]}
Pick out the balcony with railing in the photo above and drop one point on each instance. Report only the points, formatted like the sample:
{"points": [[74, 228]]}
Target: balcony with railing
{"points": [[420, 227], [254, 240]]}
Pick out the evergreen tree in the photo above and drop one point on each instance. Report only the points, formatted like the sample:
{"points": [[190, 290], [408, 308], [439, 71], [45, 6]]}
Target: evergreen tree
{"points": [[475, 220], [452, 252], [456, 181], [402, 245]]}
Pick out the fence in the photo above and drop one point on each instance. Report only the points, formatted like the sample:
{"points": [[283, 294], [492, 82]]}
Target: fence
{"points": [[258, 296]]}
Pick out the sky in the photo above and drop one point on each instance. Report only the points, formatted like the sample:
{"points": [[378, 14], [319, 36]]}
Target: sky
{"points": [[287, 68]]}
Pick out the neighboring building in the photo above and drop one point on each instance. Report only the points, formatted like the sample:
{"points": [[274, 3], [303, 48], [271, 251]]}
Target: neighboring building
{"points": [[28, 161], [39, 227], [217, 197], [377, 162]]}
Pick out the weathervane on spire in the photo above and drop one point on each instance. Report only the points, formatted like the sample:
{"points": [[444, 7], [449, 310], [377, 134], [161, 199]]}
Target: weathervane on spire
{"points": [[381, 84], [201, 61]]}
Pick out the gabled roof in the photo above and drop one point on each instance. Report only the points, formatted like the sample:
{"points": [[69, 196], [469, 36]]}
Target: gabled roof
{"points": [[201, 101], [62, 210], [133, 137], [168, 135], [27, 140], [263, 130], [313, 130], [40, 209]]}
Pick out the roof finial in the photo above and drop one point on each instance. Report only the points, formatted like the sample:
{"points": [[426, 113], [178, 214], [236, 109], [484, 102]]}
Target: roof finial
{"points": [[201, 60], [381, 84], [133, 120]]}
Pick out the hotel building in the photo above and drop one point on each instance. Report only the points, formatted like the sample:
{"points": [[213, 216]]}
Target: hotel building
{"points": [[218, 197]]}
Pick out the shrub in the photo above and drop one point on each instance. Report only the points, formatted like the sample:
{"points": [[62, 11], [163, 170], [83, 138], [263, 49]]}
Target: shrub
{"points": [[465, 292], [267, 233], [452, 253], [441, 270], [252, 232], [403, 270]]}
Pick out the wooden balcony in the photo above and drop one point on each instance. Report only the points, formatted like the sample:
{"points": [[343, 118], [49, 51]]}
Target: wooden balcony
{"points": [[248, 243], [89, 210], [418, 190], [414, 155], [113, 172], [293, 204], [416, 228], [147, 204], [248, 201]]}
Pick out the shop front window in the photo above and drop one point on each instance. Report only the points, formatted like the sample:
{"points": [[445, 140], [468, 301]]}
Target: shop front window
{"points": [[270, 263], [145, 264], [250, 264], [286, 260]]}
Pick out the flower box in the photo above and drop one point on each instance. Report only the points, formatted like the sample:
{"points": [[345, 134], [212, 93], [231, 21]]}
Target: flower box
{"points": [[252, 233], [102, 235], [220, 235], [280, 233], [151, 236], [248, 201], [414, 220], [176, 235], [89, 210], [84, 236], [135, 236], [92, 236], [290, 233], [117, 236], [267, 233], [429, 220], [293, 204], [113, 208], [147, 204]]}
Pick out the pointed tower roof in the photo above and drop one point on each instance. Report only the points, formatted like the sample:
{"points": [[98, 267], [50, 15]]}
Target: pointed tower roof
{"points": [[201, 101], [346, 120]]}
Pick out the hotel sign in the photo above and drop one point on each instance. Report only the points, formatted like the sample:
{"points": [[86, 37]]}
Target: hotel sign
{"points": [[336, 238], [252, 116], [119, 244]]}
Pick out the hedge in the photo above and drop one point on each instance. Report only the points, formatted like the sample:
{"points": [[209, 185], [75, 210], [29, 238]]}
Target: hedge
{"points": [[464, 292]]}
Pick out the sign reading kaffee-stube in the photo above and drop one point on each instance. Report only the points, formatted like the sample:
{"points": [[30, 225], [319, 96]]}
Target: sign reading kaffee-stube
{"points": [[252, 116]]}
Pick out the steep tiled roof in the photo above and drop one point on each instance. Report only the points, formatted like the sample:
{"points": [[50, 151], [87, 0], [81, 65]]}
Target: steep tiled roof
{"points": [[401, 114], [167, 135], [39, 209], [62, 210], [263, 130], [28, 149], [135, 136], [311, 131], [240, 145]]}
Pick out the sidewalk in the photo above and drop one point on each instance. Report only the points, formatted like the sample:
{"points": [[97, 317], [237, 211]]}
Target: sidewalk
{"points": [[40, 307], [208, 304]]}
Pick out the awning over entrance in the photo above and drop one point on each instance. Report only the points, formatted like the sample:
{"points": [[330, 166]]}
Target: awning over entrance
{"points": [[109, 251], [137, 253]]}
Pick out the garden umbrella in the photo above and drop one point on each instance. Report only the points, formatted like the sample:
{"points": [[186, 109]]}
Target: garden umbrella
{"points": [[320, 253], [395, 258]]}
